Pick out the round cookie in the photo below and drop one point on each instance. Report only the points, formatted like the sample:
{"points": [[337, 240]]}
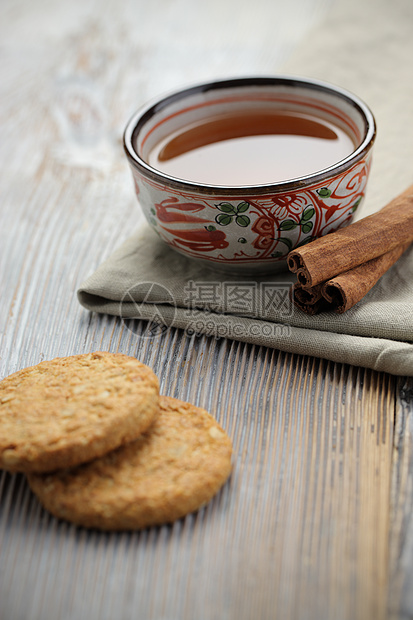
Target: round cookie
{"points": [[70, 410], [171, 470]]}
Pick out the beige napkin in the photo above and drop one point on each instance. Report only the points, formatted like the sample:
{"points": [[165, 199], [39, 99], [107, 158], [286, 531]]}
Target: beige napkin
{"points": [[365, 46]]}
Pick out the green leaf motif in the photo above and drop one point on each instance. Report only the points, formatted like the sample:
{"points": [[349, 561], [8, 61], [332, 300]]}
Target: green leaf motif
{"points": [[356, 204], [308, 214], [287, 242], [288, 225], [223, 219], [229, 212], [306, 227], [226, 207], [243, 220], [304, 242], [242, 207], [242, 240], [210, 228], [324, 192]]}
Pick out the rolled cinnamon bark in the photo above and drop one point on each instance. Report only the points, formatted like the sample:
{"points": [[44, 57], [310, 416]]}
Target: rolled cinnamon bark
{"points": [[358, 243], [346, 289], [309, 301], [307, 295]]}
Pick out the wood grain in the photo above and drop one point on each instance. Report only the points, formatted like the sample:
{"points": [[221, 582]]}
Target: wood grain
{"points": [[400, 591], [301, 527], [302, 531]]}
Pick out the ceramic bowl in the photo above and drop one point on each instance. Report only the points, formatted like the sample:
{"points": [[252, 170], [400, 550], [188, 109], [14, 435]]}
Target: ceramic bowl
{"points": [[249, 229]]}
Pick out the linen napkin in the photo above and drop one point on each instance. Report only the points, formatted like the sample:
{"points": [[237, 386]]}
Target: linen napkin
{"points": [[363, 46]]}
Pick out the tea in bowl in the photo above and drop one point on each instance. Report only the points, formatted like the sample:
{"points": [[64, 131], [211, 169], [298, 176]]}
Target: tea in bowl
{"points": [[237, 173]]}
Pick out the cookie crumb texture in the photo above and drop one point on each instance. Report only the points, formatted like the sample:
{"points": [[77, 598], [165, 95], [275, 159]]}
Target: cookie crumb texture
{"points": [[174, 468], [70, 410]]}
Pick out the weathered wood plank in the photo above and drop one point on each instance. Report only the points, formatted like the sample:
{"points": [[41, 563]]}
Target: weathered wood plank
{"points": [[301, 531], [301, 528], [401, 531]]}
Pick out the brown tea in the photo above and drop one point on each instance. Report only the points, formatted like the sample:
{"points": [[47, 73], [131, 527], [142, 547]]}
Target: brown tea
{"points": [[251, 148]]}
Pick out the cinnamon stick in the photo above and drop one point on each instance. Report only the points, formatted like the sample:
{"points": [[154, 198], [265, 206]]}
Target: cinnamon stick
{"points": [[308, 296], [358, 243], [310, 301], [343, 291], [348, 288]]}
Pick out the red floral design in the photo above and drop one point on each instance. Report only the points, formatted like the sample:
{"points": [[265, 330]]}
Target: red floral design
{"points": [[265, 229], [171, 210], [287, 205], [275, 224], [200, 240]]}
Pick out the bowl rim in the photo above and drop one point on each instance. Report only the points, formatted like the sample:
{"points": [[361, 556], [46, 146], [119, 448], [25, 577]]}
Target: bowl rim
{"points": [[145, 112]]}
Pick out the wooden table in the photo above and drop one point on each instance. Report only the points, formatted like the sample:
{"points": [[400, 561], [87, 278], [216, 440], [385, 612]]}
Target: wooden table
{"points": [[315, 521]]}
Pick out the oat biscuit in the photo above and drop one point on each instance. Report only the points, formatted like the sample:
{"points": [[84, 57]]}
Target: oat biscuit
{"points": [[174, 468], [70, 410]]}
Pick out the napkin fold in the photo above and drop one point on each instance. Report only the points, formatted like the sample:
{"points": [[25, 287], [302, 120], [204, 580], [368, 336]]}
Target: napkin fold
{"points": [[144, 279], [366, 47]]}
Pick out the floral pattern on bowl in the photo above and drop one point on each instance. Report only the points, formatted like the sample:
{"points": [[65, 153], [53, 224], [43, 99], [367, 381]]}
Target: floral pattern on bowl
{"points": [[250, 227], [240, 231]]}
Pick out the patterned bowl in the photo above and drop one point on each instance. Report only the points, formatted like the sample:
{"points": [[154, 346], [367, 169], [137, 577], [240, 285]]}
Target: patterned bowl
{"points": [[250, 229]]}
